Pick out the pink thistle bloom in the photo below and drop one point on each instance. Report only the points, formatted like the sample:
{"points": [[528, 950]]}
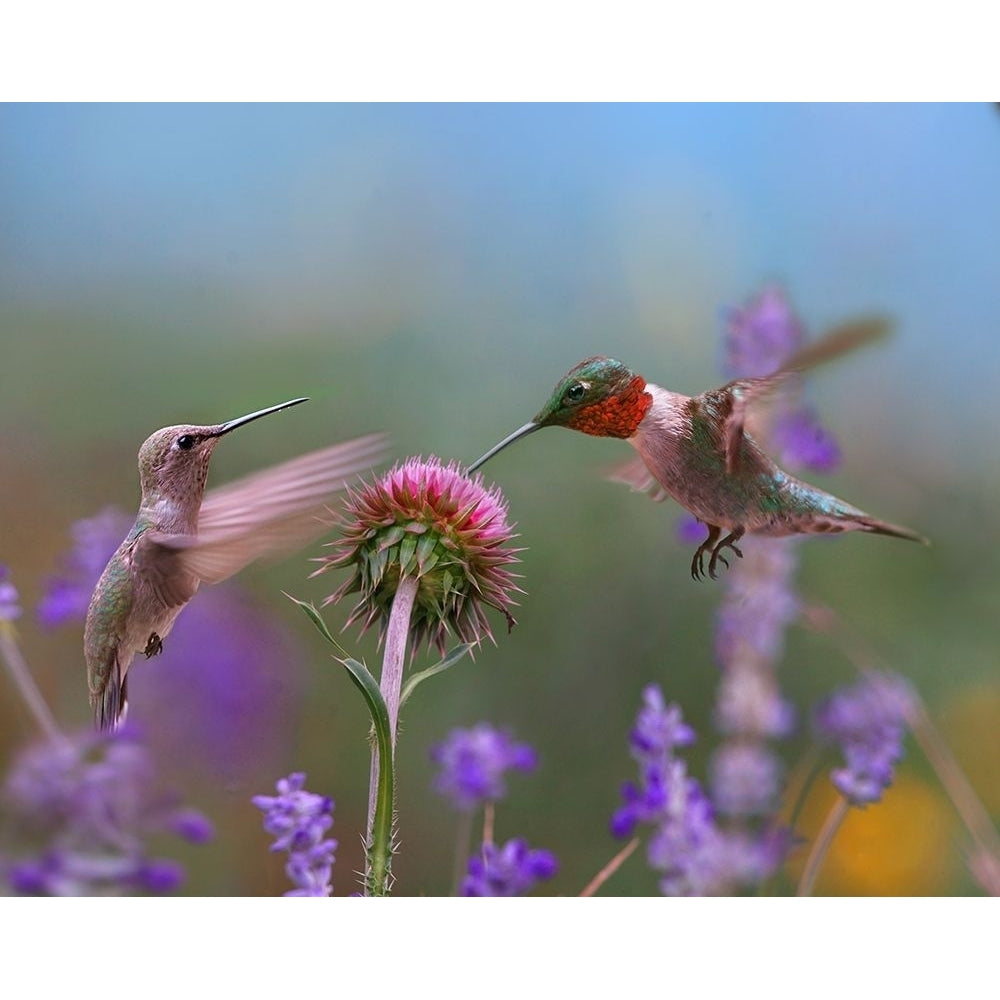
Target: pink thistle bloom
{"points": [[429, 521]]}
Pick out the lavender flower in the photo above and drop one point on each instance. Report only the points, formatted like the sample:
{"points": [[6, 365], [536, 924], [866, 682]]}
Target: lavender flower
{"points": [[694, 856], [473, 762], [511, 870], [428, 521], [299, 820], [10, 608], [868, 721], [89, 801]]}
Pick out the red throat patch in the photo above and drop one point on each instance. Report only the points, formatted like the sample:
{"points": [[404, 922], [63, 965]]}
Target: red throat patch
{"points": [[616, 416]]}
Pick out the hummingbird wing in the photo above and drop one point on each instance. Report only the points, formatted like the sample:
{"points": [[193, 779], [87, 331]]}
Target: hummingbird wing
{"points": [[269, 513], [729, 403], [635, 474]]}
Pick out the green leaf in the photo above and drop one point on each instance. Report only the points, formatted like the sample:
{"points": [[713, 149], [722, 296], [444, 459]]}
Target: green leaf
{"points": [[380, 848], [449, 660]]}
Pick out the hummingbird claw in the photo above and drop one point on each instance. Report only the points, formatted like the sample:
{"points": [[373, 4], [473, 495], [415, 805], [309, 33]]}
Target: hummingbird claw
{"points": [[154, 646], [729, 542], [697, 563]]}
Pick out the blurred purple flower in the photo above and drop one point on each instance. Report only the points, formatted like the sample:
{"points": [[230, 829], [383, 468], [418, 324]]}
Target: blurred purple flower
{"points": [[745, 778], [761, 336], [689, 530], [473, 762], [95, 539], [299, 820], [90, 801], [868, 720], [511, 870], [222, 692], [802, 441], [10, 608]]}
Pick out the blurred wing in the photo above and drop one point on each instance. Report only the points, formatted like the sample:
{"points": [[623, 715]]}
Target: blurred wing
{"points": [[273, 512], [731, 401], [634, 473]]}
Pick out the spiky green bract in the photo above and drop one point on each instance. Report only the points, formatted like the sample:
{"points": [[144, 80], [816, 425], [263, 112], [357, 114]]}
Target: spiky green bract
{"points": [[429, 521]]}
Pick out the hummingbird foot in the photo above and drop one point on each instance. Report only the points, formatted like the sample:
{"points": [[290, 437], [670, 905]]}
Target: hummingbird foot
{"points": [[154, 646], [697, 567], [729, 542]]}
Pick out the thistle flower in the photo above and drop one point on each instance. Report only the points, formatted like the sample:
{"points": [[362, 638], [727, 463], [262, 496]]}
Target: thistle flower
{"points": [[868, 721], [89, 801], [803, 442], [510, 870], [473, 762], [10, 608], [427, 521], [299, 820]]}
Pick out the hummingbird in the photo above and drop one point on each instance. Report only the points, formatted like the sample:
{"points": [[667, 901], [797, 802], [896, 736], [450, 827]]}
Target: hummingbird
{"points": [[183, 537], [697, 450]]}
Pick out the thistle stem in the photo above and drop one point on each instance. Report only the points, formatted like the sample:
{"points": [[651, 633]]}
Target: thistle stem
{"points": [[25, 684], [821, 846], [383, 772]]}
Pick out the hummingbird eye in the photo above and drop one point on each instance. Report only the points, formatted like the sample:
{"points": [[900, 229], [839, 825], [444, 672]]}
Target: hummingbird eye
{"points": [[574, 393], [186, 441]]}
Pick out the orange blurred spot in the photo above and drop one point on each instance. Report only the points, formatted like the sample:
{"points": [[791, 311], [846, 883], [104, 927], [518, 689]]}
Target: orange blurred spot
{"points": [[904, 845]]}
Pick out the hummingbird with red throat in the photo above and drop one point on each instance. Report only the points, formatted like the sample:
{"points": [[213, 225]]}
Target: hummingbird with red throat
{"points": [[183, 537], [697, 450]]}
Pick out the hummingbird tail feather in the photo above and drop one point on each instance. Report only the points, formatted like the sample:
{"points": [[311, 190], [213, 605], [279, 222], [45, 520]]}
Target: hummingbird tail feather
{"points": [[111, 705]]}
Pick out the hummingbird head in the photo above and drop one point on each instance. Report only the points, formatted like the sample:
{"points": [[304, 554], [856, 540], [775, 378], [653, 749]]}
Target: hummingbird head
{"points": [[173, 462], [598, 396]]}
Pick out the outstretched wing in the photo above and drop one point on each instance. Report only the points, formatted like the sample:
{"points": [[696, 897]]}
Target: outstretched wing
{"points": [[269, 513], [731, 401]]}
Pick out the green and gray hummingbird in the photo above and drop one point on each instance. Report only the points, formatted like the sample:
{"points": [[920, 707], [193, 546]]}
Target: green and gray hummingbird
{"points": [[696, 449], [183, 537]]}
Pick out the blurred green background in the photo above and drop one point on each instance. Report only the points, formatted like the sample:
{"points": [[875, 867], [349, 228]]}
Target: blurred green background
{"points": [[431, 271]]}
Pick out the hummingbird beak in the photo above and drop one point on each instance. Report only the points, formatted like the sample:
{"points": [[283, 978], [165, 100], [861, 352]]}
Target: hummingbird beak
{"points": [[231, 425], [510, 439]]}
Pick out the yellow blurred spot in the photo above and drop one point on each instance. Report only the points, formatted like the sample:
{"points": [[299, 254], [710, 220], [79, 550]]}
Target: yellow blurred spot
{"points": [[904, 845], [969, 724]]}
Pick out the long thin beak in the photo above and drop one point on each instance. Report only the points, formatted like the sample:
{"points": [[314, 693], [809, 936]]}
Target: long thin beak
{"points": [[231, 425], [510, 439]]}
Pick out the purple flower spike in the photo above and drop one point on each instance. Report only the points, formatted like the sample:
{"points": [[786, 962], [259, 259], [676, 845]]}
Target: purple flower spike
{"points": [[694, 856], [299, 820], [511, 870], [473, 762], [868, 721]]}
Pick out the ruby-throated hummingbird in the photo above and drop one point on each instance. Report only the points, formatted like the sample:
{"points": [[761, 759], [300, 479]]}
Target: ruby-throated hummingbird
{"points": [[183, 537], [695, 449]]}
